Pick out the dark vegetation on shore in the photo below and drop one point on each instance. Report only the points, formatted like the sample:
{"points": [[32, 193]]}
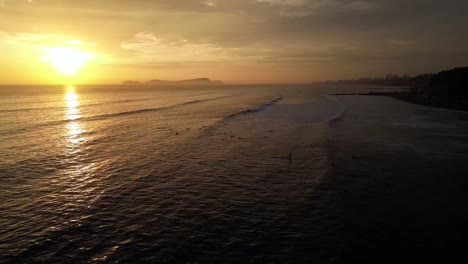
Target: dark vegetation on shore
{"points": [[446, 89]]}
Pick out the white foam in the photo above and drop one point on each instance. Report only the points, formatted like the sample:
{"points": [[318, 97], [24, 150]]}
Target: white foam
{"points": [[325, 109]]}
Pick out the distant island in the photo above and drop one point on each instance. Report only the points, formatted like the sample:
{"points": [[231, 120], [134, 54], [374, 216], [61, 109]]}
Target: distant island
{"points": [[190, 82]]}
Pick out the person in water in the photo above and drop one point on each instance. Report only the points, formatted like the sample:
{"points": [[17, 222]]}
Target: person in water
{"points": [[290, 156]]}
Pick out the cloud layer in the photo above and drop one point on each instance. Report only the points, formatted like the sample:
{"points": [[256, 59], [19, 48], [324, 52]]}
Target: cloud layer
{"points": [[251, 40]]}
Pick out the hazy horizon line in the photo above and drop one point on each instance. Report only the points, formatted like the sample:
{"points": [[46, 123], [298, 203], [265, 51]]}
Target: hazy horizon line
{"points": [[144, 84]]}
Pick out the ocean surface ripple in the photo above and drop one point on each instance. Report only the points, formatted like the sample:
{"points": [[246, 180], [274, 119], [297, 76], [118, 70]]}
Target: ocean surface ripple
{"points": [[196, 175]]}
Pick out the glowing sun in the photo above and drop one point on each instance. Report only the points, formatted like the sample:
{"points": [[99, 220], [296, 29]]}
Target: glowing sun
{"points": [[67, 61]]}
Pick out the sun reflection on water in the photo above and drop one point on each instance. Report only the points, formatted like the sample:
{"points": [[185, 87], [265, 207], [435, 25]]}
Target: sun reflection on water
{"points": [[73, 114], [79, 190], [72, 103]]}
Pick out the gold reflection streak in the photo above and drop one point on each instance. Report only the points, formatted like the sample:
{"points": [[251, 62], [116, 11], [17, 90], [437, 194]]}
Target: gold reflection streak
{"points": [[78, 193], [72, 112]]}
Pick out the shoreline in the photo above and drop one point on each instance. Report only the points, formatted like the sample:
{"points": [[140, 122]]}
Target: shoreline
{"points": [[449, 103]]}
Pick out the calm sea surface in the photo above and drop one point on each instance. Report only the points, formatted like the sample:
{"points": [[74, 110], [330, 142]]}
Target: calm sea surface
{"points": [[121, 174]]}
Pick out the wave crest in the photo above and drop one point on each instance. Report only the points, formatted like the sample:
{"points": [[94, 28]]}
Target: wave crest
{"points": [[254, 110]]}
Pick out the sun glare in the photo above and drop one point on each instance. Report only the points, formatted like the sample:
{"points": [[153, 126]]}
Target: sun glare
{"points": [[67, 61]]}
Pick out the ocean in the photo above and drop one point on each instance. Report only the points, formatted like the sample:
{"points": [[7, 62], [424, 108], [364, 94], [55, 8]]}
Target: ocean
{"points": [[129, 174]]}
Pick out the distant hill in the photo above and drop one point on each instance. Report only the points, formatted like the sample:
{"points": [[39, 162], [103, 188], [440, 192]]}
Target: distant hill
{"points": [[421, 81], [446, 89], [158, 82], [131, 83], [199, 81], [191, 82], [451, 83]]}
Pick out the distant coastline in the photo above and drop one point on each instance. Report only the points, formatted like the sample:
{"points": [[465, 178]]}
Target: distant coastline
{"points": [[197, 81], [446, 89]]}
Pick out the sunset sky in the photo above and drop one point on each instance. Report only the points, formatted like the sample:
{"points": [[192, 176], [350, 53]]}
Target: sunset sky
{"points": [[236, 41]]}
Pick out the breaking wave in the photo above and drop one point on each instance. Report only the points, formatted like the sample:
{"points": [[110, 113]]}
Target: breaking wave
{"points": [[254, 110]]}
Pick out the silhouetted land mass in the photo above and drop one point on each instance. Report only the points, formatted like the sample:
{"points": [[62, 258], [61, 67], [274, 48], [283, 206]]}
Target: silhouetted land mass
{"points": [[158, 82], [446, 89], [419, 81], [451, 83], [131, 83], [197, 81]]}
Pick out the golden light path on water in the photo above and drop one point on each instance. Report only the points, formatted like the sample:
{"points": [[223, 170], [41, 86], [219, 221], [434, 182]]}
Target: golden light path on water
{"points": [[72, 112], [79, 175]]}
